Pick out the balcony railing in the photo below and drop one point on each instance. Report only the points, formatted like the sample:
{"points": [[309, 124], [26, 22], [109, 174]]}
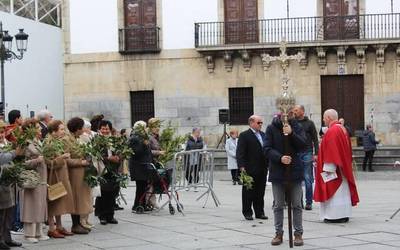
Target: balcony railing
{"points": [[139, 40], [298, 30]]}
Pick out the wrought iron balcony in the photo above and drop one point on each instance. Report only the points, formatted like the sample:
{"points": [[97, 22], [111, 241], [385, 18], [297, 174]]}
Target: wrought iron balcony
{"points": [[302, 30], [139, 40]]}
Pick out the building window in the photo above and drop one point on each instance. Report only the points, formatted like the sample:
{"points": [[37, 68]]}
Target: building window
{"points": [[140, 33], [341, 20], [241, 25], [142, 105], [241, 105]]}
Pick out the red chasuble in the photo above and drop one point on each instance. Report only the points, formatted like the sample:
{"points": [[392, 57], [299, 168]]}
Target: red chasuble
{"points": [[335, 148]]}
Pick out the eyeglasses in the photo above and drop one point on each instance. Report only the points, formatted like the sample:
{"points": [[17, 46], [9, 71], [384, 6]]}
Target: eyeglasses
{"points": [[260, 123]]}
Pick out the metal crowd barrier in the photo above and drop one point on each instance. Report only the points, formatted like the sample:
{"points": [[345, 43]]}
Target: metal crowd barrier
{"points": [[194, 169]]}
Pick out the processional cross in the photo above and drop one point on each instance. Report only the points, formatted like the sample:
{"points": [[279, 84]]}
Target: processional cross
{"points": [[284, 102]]}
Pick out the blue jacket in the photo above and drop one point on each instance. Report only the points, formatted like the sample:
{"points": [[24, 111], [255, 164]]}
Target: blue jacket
{"points": [[274, 149], [369, 142]]}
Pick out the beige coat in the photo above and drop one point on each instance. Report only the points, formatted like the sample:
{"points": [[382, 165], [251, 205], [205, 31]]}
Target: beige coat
{"points": [[33, 202], [65, 204], [81, 192]]}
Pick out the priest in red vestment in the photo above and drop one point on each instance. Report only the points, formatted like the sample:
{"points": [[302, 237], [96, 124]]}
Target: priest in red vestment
{"points": [[335, 187]]}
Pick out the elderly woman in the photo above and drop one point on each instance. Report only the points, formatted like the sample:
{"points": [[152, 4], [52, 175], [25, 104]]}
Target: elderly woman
{"points": [[34, 201], [58, 172], [110, 188], [81, 192], [139, 162], [85, 138], [230, 148]]}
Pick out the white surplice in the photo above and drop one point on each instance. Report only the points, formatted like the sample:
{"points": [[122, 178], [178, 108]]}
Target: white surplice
{"points": [[339, 205]]}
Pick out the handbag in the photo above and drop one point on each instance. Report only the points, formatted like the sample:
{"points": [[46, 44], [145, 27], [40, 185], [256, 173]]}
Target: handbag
{"points": [[55, 191]]}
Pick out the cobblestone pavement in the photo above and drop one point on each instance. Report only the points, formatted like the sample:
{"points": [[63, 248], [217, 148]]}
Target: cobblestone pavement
{"points": [[224, 227]]}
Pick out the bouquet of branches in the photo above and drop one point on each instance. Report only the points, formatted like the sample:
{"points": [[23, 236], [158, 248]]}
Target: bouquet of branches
{"points": [[52, 148], [247, 180], [170, 143], [22, 138], [16, 173], [120, 147], [122, 180], [92, 178], [93, 151]]}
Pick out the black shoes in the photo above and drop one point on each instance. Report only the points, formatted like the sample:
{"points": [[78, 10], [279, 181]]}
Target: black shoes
{"points": [[249, 217], [4, 246], [103, 222], [13, 244], [308, 207], [342, 220], [262, 217], [112, 221]]}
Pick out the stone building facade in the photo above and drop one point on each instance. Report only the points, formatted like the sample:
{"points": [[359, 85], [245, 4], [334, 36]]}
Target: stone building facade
{"points": [[190, 86]]}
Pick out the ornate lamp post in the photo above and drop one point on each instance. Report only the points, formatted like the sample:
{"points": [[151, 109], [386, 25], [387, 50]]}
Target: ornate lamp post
{"points": [[6, 54]]}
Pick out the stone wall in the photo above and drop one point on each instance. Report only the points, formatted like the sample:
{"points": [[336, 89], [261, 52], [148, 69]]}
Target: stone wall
{"points": [[188, 95]]}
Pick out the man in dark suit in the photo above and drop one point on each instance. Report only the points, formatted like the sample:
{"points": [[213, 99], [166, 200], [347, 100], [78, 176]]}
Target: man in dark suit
{"points": [[251, 159]]}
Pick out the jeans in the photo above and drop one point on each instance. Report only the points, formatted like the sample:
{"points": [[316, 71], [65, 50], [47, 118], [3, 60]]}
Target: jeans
{"points": [[307, 161], [278, 191], [17, 224]]}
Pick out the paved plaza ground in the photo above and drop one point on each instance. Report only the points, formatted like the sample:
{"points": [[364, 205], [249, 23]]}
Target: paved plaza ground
{"points": [[225, 228]]}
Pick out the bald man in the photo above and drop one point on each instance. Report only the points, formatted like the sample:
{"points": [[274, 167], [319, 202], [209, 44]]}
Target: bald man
{"points": [[335, 186], [251, 159]]}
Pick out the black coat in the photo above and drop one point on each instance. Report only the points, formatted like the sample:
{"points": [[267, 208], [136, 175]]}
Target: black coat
{"points": [[369, 141], [140, 161], [193, 144], [250, 155], [274, 149]]}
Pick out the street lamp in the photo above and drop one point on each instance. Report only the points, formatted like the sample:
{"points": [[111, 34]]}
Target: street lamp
{"points": [[6, 54]]}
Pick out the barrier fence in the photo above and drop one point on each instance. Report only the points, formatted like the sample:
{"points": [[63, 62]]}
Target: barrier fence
{"points": [[193, 170]]}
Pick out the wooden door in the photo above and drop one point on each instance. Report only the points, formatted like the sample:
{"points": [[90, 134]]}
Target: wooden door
{"points": [[241, 21], [341, 19], [141, 22], [345, 94], [149, 22]]}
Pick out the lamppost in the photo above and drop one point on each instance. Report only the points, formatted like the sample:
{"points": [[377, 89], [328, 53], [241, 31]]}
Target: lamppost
{"points": [[6, 54]]}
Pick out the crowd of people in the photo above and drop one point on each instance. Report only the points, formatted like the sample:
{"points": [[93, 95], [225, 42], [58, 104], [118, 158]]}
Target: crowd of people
{"points": [[290, 153], [54, 154]]}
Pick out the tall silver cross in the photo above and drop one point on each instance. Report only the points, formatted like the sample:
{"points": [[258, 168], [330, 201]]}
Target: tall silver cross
{"points": [[286, 100]]}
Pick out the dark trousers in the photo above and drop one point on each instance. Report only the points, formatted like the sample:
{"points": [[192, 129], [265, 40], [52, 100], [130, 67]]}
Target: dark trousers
{"points": [[254, 197], [76, 219], [235, 174], [104, 205], [141, 187], [190, 170], [369, 156], [6, 221], [17, 224]]}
